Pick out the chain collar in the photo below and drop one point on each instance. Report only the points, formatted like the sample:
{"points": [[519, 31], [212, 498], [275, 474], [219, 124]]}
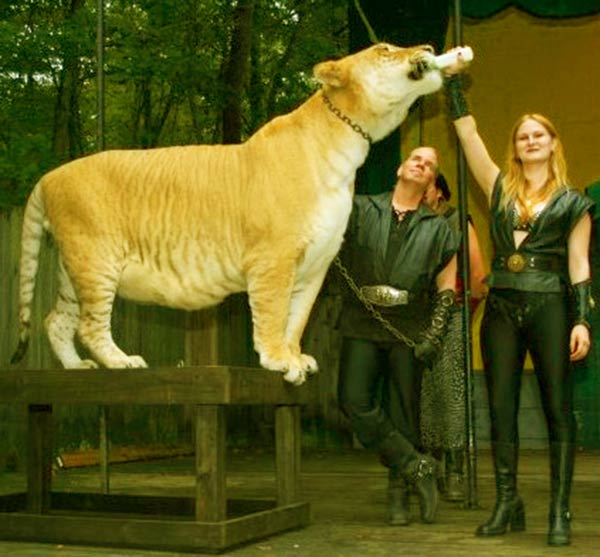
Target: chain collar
{"points": [[347, 120]]}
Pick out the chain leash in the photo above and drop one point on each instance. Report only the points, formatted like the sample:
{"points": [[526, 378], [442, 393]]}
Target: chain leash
{"points": [[370, 307], [347, 120]]}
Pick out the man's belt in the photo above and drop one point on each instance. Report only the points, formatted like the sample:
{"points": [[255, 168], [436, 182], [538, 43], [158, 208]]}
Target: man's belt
{"points": [[384, 295], [518, 262]]}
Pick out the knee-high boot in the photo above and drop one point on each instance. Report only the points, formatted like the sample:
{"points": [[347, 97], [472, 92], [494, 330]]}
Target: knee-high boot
{"points": [[418, 470], [562, 458], [398, 499], [375, 431], [509, 509]]}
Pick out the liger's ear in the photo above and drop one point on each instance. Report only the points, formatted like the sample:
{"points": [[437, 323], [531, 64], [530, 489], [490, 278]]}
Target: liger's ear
{"points": [[330, 73]]}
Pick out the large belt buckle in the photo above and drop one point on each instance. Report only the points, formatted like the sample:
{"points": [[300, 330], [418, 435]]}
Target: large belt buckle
{"points": [[384, 295], [516, 263]]}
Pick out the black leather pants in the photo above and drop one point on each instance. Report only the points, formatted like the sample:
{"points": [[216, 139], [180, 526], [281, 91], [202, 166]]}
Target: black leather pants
{"points": [[514, 322], [379, 391]]}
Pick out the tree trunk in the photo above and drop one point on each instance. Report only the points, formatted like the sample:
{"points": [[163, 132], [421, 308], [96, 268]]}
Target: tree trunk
{"points": [[236, 71], [67, 142]]}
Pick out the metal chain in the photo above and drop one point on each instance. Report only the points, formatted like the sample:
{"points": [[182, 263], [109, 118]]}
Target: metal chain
{"points": [[347, 120], [370, 307]]}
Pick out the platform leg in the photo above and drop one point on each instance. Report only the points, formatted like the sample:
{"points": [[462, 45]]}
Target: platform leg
{"points": [[211, 496], [287, 441], [39, 458], [104, 450]]}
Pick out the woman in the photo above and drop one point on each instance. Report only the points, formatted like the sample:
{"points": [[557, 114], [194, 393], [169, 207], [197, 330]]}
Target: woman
{"points": [[443, 388], [539, 300]]}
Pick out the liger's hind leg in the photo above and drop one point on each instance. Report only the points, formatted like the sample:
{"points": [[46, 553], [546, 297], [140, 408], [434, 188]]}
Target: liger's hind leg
{"points": [[96, 288], [61, 324]]}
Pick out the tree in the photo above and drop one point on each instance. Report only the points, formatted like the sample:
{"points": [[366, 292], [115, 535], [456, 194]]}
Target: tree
{"points": [[177, 72], [236, 70]]}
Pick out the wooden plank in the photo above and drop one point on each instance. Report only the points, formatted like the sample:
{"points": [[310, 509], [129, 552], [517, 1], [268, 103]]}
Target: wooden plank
{"points": [[287, 454], [104, 434], [260, 525], [119, 454], [202, 337], [211, 494], [167, 535], [193, 385], [39, 458]]}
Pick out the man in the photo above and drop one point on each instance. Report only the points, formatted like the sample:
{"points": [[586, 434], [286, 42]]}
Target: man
{"points": [[395, 253]]}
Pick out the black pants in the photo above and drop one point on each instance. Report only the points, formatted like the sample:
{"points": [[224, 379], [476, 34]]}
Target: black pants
{"points": [[379, 389], [513, 323]]}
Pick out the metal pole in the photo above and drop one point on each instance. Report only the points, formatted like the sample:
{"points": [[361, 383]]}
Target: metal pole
{"points": [[104, 413], [471, 445]]}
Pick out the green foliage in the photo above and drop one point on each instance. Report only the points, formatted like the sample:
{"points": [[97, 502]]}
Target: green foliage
{"points": [[164, 82]]}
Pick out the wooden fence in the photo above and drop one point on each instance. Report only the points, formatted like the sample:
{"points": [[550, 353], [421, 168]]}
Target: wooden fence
{"points": [[164, 337]]}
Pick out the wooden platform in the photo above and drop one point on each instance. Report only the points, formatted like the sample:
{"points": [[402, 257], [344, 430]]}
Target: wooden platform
{"points": [[206, 521]]}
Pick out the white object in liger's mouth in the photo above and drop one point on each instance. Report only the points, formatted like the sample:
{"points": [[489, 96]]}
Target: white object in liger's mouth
{"points": [[448, 58]]}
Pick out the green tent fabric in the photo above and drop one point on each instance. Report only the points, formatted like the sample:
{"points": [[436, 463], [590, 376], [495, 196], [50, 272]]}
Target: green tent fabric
{"points": [[404, 23], [587, 379], [540, 8]]}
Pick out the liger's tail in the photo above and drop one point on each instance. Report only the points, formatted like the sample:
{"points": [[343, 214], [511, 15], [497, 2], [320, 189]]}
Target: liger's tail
{"points": [[33, 230]]}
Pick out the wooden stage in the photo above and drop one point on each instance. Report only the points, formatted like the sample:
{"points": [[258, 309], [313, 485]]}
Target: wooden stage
{"points": [[347, 494]]}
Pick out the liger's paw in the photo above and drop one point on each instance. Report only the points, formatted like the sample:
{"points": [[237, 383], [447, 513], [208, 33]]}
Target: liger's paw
{"points": [[136, 361], [295, 376], [291, 366], [128, 362], [87, 364], [309, 364]]}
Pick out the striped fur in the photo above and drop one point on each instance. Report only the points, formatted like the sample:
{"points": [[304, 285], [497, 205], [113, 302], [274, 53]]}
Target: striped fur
{"points": [[186, 226]]}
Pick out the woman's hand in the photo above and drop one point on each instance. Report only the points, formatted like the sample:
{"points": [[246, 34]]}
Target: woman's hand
{"points": [[580, 343]]}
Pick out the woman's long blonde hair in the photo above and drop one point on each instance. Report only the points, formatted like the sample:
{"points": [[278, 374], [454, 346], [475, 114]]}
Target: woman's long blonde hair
{"points": [[514, 182]]}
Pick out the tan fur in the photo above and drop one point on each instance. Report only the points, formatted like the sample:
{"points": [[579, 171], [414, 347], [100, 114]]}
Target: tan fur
{"points": [[187, 226]]}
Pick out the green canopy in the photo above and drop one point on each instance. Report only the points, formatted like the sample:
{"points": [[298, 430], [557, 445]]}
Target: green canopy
{"points": [[541, 8]]}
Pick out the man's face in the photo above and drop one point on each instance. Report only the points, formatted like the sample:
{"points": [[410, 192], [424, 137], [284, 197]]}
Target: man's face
{"points": [[420, 167]]}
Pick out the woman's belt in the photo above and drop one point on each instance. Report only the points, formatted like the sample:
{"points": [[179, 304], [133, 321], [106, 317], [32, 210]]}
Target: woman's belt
{"points": [[384, 295], [519, 262]]}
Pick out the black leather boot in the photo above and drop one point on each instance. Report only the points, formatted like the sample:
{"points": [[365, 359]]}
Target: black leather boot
{"points": [[455, 479], [421, 473], [508, 510], [562, 458], [375, 431], [398, 499]]}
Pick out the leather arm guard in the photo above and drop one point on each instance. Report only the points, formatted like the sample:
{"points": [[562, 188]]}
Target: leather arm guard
{"points": [[583, 303], [430, 340], [456, 99]]}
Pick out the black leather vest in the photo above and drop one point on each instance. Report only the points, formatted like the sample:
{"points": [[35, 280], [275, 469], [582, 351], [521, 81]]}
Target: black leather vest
{"points": [[428, 245], [540, 263]]}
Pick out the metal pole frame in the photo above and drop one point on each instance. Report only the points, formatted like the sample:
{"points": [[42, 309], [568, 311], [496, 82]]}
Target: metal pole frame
{"points": [[471, 500], [104, 448]]}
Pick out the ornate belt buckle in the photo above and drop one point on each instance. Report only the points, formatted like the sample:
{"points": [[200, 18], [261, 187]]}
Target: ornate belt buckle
{"points": [[516, 263], [384, 295]]}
